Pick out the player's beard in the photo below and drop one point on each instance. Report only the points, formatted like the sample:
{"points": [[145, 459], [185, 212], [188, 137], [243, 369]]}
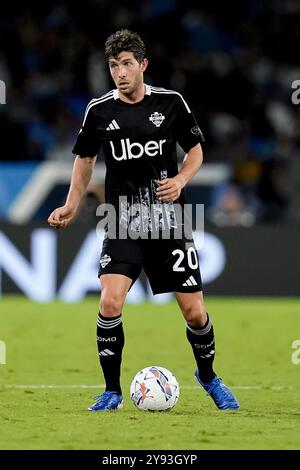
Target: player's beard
{"points": [[131, 88], [125, 91]]}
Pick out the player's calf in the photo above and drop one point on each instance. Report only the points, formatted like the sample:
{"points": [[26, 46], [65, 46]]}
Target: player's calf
{"points": [[110, 342]]}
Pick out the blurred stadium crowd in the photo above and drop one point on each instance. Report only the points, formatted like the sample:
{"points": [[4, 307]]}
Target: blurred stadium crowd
{"points": [[234, 64]]}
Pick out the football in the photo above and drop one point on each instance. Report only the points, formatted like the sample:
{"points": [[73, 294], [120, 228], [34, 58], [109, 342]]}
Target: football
{"points": [[154, 389]]}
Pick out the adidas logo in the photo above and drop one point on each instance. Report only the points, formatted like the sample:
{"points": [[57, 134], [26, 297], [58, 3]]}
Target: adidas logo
{"points": [[190, 282], [106, 352], [113, 126], [211, 353]]}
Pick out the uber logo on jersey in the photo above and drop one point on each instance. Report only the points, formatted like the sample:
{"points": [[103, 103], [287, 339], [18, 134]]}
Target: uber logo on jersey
{"points": [[131, 150]]}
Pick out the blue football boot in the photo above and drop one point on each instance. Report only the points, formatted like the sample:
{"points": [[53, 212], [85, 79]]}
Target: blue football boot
{"points": [[107, 401], [221, 395]]}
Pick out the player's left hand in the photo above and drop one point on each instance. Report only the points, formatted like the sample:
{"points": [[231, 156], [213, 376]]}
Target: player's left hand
{"points": [[170, 188]]}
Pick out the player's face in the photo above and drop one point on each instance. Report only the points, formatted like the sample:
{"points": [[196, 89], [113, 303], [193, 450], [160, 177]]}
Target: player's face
{"points": [[127, 72]]}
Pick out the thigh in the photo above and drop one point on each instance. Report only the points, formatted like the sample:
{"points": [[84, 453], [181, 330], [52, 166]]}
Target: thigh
{"points": [[172, 266], [114, 288], [122, 258], [117, 283]]}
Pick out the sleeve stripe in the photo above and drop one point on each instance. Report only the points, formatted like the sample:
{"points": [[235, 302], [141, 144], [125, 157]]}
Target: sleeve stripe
{"points": [[171, 92], [95, 101]]}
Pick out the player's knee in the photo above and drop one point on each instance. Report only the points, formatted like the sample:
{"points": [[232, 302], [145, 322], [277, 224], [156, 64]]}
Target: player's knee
{"points": [[110, 305], [195, 314]]}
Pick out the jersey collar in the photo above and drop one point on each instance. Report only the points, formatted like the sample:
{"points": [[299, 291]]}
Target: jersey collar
{"points": [[147, 92]]}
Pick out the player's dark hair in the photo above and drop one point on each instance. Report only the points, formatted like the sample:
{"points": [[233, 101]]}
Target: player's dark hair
{"points": [[125, 40]]}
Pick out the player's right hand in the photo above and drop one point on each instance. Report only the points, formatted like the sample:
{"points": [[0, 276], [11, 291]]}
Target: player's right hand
{"points": [[61, 217]]}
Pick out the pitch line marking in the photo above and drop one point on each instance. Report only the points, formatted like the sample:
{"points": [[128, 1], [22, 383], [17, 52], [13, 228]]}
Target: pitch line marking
{"points": [[183, 387]]}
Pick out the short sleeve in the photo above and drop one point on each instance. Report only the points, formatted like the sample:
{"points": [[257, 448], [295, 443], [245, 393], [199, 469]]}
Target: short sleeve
{"points": [[88, 140], [188, 132]]}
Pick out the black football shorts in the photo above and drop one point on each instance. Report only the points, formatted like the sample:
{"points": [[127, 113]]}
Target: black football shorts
{"points": [[170, 265]]}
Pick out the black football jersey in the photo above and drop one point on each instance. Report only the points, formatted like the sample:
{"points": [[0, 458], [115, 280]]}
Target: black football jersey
{"points": [[137, 142]]}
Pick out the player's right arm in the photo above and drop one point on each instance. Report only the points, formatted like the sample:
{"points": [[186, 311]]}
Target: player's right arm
{"points": [[81, 176]]}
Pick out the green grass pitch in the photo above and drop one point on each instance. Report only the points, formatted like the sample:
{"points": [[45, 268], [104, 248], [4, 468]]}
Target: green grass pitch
{"points": [[54, 344]]}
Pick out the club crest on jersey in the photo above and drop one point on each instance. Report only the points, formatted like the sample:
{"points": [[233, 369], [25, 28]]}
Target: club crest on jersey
{"points": [[157, 119], [105, 260]]}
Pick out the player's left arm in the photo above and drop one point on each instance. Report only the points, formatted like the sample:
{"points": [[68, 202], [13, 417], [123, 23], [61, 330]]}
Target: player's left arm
{"points": [[170, 188]]}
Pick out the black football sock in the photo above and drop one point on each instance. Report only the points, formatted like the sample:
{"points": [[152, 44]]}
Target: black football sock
{"points": [[202, 341], [110, 342]]}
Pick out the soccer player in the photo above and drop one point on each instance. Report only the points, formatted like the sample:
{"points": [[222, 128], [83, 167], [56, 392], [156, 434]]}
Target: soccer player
{"points": [[135, 127]]}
